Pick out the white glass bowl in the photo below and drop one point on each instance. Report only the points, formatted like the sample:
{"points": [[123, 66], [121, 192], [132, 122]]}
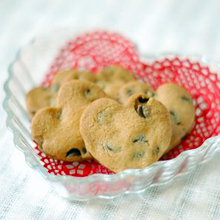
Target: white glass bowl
{"points": [[26, 71]]}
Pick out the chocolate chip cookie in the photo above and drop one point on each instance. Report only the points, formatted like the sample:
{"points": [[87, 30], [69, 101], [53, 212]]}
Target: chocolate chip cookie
{"points": [[56, 129], [130, 136]]}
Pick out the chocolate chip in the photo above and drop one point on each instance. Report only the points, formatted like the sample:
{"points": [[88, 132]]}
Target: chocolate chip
{"points": [[172, 114], [142, 111], [41, 146], [73, 152], [107, 147], [84, 150], [33, 112], [88, 91], [186, 99], [141, 138], [143, 100], [156, 151], [184, 137], [174, 118], [138, 155]]}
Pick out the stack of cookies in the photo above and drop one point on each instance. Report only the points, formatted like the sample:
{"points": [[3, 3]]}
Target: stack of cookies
{"points": [[109, 116]]}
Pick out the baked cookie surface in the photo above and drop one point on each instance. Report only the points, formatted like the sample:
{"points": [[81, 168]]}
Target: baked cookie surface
{"points": [[130, 136], [111, 78], [182, 111], [134, 87], [56, 129], [37, 98], [41, 97]]}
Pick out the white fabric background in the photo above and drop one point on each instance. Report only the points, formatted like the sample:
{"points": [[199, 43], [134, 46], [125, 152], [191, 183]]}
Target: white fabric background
{"points": [[186, 26]]}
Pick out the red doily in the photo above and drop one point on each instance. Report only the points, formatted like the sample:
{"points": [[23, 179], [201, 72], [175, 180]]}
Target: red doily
{"points": [[94, 50]]}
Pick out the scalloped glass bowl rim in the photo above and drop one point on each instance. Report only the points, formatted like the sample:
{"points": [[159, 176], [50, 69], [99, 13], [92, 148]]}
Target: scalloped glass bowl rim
{"points": [[104, 177]]}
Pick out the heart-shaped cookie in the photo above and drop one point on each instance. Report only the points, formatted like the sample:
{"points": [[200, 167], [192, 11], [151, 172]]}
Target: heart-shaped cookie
{"points": [[177, 101], [130, 136], [41, 97], [56, 129]]}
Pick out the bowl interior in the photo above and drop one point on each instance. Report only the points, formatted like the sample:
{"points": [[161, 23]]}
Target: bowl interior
{"points": [[92, 51]]}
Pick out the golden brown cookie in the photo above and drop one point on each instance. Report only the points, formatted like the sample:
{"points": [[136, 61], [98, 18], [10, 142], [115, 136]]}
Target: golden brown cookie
{"points": [[37, 98], [182, 111], [40, 97], [133, 87], [56, 129], [111, 78], [130, 136], [67, 75]]}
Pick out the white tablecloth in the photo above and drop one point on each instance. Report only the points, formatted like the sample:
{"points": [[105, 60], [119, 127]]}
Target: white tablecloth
{"points": [[185, 26]]}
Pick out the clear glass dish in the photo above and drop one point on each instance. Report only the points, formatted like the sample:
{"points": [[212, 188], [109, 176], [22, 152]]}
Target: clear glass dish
{"points": [[27, 70]]}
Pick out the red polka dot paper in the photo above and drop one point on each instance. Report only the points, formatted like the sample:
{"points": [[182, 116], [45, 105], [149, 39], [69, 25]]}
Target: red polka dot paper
{"points": [[95, 50]]}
